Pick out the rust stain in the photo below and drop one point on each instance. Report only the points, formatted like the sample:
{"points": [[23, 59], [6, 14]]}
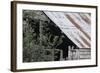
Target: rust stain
{"points": [[80, 43], [77, 26], [85, 41], [85, 18]]}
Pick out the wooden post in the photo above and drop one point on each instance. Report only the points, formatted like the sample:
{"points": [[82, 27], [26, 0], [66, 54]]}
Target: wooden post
{"points": [[53, 54], [72, 53], [77, 53], [61, 55], [69, 52], [40, 30]]}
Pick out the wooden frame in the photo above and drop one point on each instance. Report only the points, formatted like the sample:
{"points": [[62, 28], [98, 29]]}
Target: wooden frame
{"points": [[14, 33]]}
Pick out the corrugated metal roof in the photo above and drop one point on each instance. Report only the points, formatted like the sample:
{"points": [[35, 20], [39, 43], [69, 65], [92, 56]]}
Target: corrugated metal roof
{"points": [[77, 26]]}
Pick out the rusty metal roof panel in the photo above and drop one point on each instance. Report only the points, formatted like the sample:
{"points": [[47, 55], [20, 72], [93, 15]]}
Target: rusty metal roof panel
{"points": [[76, 26]]}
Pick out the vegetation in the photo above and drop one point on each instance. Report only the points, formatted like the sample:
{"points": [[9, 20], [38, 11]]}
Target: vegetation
{"points": [[39, 36]]}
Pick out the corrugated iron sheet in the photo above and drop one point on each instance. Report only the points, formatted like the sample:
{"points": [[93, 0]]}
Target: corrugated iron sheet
{"points": [[77, 26]]}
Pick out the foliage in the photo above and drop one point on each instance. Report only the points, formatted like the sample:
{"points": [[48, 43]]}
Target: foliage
{"points": [[37, 37]]}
